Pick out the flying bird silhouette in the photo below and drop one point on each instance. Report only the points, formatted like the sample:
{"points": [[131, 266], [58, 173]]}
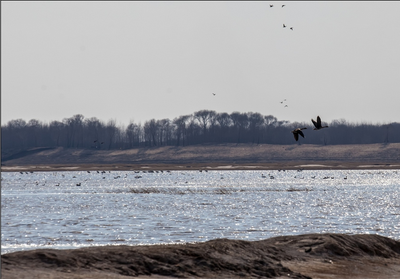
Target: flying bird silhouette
{"points": [[213, 94], [317, 124], [284, 26], [283, 6], [297, 132], [291, 28], [271, 6]]}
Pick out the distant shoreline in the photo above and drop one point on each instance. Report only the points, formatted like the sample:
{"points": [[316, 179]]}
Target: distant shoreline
{"points": [[202, 166], [207, 157]]}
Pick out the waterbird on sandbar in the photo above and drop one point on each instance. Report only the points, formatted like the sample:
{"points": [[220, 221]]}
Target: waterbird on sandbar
{"points": [[297, 132], [318, 124]]}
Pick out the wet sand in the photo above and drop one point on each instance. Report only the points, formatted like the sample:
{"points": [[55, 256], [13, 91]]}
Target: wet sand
{"points": [[303, 256]]}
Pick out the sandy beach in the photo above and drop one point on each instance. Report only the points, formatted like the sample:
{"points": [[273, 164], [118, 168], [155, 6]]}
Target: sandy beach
{"points": [[209, 157], [324, 256]]}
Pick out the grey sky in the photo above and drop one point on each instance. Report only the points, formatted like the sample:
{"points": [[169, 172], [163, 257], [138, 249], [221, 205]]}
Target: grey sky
{"points": [[143, 60]]}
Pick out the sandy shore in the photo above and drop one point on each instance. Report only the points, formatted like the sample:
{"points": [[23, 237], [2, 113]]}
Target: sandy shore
{"points": [[325, 256], [208, 157], [209, 166]]}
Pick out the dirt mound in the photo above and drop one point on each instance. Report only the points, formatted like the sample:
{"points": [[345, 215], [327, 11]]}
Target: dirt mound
{"points": [[303, 256], [338, 245]]}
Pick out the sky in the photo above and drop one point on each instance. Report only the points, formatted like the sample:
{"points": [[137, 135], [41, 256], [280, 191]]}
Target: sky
{"points": [[135, 61]]}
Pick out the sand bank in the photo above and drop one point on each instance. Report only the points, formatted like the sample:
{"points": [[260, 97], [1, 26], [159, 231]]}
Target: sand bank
{"points": [[303, 256], [218, 157]]}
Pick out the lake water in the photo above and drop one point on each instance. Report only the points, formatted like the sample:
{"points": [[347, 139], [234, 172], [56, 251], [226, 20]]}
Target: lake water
{"points": [[75, 209]]}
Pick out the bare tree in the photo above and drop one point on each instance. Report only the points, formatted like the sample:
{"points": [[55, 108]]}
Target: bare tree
{"points": [[240, 123], [14, 134], [111, 131], [180, 131], [164, 133], [132, 133], [56, 129], [204, 117], [256, 121], [93, 127], [74, 128]]}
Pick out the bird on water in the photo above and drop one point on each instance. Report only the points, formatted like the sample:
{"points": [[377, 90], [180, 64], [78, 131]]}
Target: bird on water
{"points": [[318, 124], [297, 132]]}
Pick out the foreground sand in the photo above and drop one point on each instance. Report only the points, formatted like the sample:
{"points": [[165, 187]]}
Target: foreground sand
{"points": [[324, 256]]}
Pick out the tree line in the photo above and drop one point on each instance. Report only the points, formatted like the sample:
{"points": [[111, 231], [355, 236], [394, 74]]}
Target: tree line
{"points": [[201, 127]]}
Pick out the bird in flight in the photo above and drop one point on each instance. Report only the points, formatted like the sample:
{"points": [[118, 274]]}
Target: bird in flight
{"points": [[284, 26], [213, 94], [318, 124], [283, 6], [271, 6], [291, 28], [297, 132]]}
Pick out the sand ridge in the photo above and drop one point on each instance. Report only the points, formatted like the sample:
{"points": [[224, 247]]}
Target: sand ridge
{"points": [[298, 256], [223, 156]]}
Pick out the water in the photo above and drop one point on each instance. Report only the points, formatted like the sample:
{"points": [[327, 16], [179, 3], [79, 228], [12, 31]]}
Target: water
{"points": [[49, 210]]}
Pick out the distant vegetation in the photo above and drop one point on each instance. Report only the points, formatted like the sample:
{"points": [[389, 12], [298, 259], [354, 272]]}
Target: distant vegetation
{"points": [[201, 127]]}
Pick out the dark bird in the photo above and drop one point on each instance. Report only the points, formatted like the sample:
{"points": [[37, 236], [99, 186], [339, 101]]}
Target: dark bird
{"points": [[291, 28], [298, 132], [283, 6], [284, 26], [102, 142], [271, 6], [285, 106], [214, 94], [318, 124], [95, 141]]}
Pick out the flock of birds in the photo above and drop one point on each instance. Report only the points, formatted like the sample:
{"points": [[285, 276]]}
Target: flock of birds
{"points": [[137, 175], [284, 25], [317, 124], [298, 131]]}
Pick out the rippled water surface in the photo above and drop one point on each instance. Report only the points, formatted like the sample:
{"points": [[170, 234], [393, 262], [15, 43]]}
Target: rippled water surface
{"points": [[79, 208]]}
